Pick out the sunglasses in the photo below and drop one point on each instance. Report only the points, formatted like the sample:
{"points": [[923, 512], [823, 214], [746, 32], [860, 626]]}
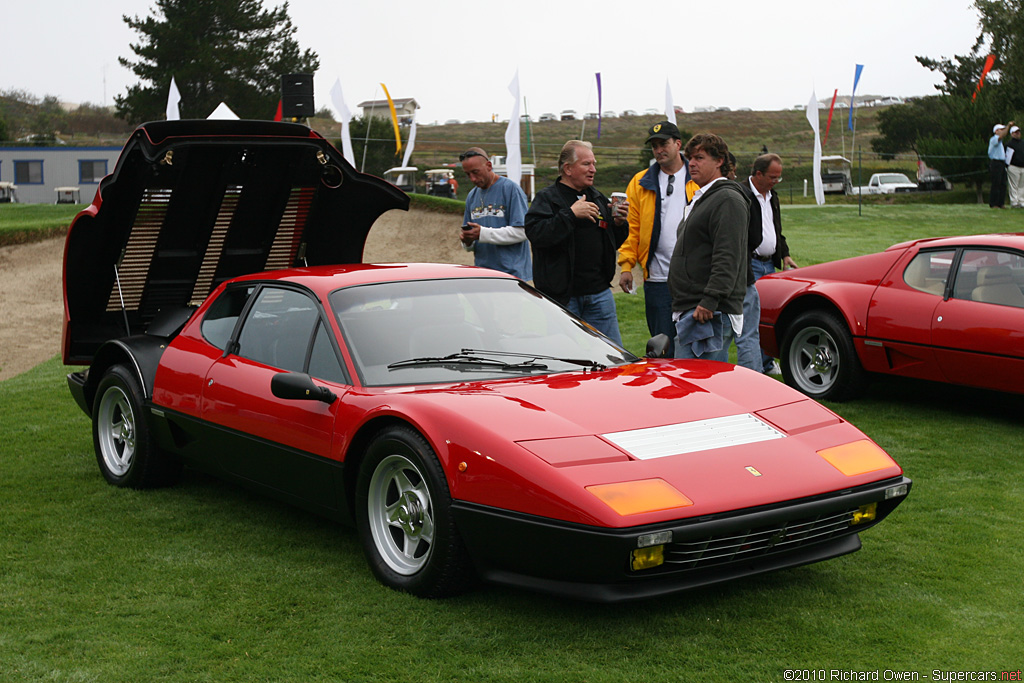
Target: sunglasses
{"points": [[467, 155], [671, 185]]}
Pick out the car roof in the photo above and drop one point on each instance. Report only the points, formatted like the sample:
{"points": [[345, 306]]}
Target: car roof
{"points": [[1009, 240], [331, 277]]}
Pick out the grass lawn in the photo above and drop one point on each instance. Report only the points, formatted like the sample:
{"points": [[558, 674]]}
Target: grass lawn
{"points": [[206, 582], [28, 222]]}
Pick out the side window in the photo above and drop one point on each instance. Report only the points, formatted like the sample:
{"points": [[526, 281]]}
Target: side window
{"points": [[929, 271], [220, 318], [278, 329], [991, 277], [323, 362]]}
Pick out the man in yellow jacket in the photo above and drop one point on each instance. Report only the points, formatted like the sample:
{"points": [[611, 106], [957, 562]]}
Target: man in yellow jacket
{"points": [[657, 200]]}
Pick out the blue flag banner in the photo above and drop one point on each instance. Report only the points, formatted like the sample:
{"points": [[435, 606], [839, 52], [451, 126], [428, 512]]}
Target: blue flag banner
{"points": [[856, 78], [599, 110]]}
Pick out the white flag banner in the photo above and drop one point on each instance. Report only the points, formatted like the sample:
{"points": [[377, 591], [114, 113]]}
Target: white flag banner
{"points": [[346, 117], [514, 157], [173, 98], [670, 107], [812, 118], [411, 142]]}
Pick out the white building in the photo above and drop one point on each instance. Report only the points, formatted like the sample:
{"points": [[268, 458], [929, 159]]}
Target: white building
{"points": [[38, 173]]}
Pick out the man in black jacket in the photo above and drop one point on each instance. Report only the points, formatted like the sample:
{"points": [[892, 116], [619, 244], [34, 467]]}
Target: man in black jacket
{"points": [[574, 238], [768, 249]]}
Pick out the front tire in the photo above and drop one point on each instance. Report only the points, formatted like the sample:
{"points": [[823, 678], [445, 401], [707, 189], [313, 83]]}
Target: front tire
{"points": [[125, 450], [403, 513], [819, 359]]}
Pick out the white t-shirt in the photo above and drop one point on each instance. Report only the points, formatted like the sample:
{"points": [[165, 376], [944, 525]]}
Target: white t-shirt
{"points": [[672, 210]]}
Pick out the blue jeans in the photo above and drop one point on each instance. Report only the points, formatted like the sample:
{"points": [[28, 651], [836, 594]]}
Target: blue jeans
{"points": [[658, 305], [762, 268], [598, 310], [748, 343]]}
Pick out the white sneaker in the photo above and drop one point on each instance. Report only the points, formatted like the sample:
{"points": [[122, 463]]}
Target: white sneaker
{"points": [[774, 369]]}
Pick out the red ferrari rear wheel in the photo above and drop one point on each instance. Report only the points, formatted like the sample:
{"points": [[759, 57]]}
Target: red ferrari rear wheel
{"points": [[819, 359], [125, 451], [403, 513]]}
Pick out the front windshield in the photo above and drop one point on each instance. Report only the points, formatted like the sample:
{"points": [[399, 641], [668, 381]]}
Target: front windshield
{"points": [[894, 178], [405, 332]]}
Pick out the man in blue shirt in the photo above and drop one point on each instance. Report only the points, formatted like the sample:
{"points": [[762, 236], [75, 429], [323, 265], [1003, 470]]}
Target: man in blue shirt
{"points": [[997, 166], [492, 226]]}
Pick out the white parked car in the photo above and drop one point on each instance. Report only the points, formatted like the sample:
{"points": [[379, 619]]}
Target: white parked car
{"points": [[887, 183]]}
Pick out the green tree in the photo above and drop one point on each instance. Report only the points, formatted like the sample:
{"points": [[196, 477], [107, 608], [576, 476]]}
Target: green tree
{"points": [[230, 51], [901, 126], [375, 153]]}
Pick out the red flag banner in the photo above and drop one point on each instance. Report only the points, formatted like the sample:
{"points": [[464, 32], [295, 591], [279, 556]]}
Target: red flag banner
{"points": [[830, 110], [989, 61], [279, 115]]}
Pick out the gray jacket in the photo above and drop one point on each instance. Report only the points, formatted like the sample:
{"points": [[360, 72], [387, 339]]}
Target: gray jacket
{"points": [[709, 263]]}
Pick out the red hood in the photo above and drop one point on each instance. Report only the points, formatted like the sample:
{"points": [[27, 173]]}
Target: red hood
{"points": [[567, 427]]}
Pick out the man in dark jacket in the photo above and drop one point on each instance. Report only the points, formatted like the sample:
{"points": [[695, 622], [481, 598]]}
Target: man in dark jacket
{"points": [[574, 238], [708, 272]]}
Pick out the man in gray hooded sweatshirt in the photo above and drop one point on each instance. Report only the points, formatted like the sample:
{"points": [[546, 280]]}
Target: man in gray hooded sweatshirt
{"points": [[707, 273]]}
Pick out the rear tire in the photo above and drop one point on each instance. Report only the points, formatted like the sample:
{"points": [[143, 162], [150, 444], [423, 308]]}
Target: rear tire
{"points": [[404, 517], [125, 450], [819, 359]]}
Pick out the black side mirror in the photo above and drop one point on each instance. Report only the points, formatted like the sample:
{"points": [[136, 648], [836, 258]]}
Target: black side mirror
{"points": [[299, 386], [659, 346]]}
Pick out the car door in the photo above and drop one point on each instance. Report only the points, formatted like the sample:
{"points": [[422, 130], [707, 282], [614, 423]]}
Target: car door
{"points": [[284, 445], [978, 332], [902, 310]]}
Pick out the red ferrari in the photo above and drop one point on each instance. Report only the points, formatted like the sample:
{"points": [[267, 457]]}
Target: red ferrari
{"points": [[947, 310], [466, 425]]}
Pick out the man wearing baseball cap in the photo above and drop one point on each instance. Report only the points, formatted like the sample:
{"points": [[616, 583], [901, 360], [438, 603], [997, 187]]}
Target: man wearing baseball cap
{"points": [[657, 200], [997, 166]]}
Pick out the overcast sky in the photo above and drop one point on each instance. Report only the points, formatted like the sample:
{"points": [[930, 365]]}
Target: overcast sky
{"points": [[458, 57]]}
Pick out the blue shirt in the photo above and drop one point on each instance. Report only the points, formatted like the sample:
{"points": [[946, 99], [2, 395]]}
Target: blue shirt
{"points": [[500, 205], [995, 149]]}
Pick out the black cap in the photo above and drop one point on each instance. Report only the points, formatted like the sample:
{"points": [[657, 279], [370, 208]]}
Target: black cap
{"points": [[663, 131]]}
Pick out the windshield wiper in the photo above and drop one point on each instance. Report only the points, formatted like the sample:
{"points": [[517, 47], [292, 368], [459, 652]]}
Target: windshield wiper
{"points": [[582, 362], [465, 360]]}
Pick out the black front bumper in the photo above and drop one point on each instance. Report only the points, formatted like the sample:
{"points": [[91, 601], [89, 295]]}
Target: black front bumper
{"points": [[593, 563]]}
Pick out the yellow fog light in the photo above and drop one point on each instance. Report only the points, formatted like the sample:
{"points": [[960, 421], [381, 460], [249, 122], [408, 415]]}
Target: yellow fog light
{"points": [[645, 558], [858, 457], [635, 497], [864, 514]]}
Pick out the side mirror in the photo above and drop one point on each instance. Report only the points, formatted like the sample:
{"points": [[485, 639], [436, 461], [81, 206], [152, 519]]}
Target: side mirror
{"points": [[299, 386], [659, 346]]}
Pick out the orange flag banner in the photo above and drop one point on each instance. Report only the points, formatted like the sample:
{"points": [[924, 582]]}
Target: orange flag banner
{"points": [[989, 62]]}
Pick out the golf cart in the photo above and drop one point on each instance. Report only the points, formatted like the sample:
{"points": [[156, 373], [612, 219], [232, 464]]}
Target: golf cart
{"points": [[402, 177], [836, 177], [441, 182]]}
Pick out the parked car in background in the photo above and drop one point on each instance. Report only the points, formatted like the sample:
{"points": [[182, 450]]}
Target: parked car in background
{"points": [[568, 115], [886, 183], [465, 424], [591, 115], [548, 117], [947, 310], [930, 180], [609, 115], [630, 112]]}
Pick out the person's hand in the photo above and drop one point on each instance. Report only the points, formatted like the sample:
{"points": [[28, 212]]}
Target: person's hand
{"points": [[702, 315], [626, 281], [788, 262], [584, 209], [470, 232]]}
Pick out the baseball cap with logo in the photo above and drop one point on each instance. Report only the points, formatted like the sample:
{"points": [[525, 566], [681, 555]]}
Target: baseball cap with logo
{"points": [[663, 131]]}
